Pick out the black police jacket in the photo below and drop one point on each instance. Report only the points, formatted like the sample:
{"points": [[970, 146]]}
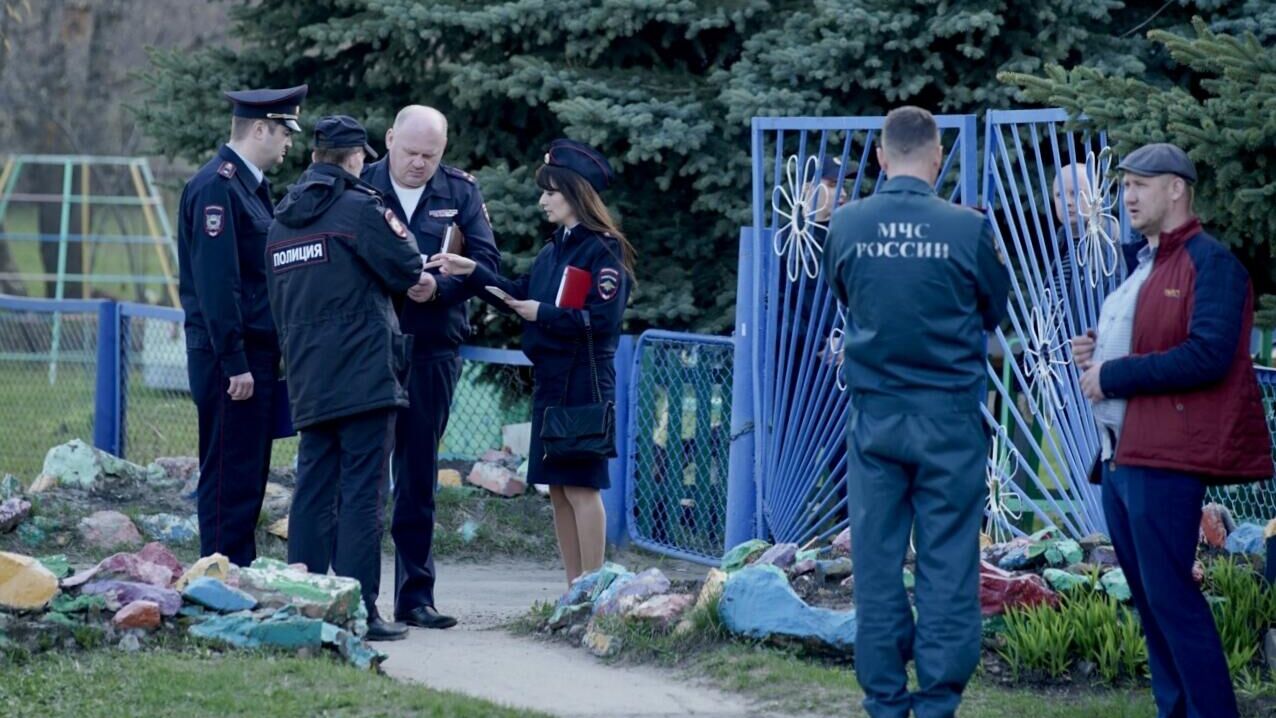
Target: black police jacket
{"points": [[336, 256], [556, 341], [441, 325], [221, 232]]}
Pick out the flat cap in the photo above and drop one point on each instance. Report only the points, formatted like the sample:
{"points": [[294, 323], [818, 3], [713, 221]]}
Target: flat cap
{"points": [[283, 106], [581, 159], [1160, 158], [336, 132]]}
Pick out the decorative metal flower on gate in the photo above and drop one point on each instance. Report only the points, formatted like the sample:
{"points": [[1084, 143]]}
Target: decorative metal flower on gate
{"points": [[1004, 500], [796, 239], [1098, 251], [837, 342], [1044, 347]]}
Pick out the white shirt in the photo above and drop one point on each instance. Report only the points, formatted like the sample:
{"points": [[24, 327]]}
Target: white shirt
{"points": [[257, 173], [408, 197], [1113, 339]]}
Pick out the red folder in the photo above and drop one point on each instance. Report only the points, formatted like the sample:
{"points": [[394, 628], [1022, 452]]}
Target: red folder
{"points": [[573, 288]]}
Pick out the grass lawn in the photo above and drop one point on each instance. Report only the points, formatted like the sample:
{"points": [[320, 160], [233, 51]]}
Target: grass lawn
{"points": [[794, 684], [188, 685]]}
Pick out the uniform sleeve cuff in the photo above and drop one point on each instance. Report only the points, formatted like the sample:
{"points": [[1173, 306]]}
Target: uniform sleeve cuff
{"points": [[235, 364]]}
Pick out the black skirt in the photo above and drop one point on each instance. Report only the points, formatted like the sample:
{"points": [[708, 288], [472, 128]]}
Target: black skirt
{"points": [[559, 382]]}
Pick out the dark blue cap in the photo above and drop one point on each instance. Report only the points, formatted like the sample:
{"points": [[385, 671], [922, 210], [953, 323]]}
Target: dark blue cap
{"points": [[283, 106], [832, 168], [340, 131], [581, 159], [1160, 158]]}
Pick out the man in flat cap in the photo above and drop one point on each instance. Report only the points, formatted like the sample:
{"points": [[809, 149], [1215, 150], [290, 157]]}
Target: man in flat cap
{"points": [[232, 348], [336, 255], [1178, 410]]}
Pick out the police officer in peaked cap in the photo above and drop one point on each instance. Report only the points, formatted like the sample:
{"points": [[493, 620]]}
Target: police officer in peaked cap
{"points": [[336, 256], [922, 284], [232, 347]]}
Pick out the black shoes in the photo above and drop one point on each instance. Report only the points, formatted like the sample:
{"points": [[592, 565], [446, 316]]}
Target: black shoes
{"points": [[426, 617], [381, 630]]}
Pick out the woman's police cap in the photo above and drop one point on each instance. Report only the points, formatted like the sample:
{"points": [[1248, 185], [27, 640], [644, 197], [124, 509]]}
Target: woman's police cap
{"points": [[581, 159], [1160, 158], [283, 106], [340, 131]]}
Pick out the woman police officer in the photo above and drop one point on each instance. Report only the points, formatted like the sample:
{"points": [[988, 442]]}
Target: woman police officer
{"points": [[557, 340]]}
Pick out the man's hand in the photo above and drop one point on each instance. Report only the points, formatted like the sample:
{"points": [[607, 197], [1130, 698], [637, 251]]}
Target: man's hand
{"points": [[241, 387], [1083, 350], [424, 289], [1090, 385], [451, 264], [525, 308]]}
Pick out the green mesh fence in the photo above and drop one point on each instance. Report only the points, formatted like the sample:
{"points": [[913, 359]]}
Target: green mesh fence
{"points": [[1254, 502], [680, 418], [46, 387], [495, 392]]}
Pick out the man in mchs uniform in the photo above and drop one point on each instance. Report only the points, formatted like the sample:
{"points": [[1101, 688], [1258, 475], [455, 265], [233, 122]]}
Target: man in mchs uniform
{"points": [[231, 344], [439, 204], [336, 256], [922, 284]]}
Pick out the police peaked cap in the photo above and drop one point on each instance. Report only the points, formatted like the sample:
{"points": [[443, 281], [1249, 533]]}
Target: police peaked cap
{"points": [[581, 159], [283, 106]]}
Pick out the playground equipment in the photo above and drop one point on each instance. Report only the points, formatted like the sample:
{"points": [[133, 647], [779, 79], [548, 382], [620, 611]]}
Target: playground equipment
{"points": [[123, 183]]}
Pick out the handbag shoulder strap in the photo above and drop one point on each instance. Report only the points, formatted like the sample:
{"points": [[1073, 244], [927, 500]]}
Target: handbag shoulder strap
{"points": [[593, 363]]}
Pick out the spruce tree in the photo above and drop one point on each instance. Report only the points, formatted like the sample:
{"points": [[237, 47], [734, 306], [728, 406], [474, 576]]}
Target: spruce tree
{"points": [[665, 88]]}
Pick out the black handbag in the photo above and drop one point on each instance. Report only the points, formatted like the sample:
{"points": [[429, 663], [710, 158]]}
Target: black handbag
{"points": [[586, 431]]}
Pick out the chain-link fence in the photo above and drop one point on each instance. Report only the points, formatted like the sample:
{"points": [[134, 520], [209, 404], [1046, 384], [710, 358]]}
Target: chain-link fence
{"points": [[492, 407], [1254, 502], [157, 414], [680, 418], [48, 366]]}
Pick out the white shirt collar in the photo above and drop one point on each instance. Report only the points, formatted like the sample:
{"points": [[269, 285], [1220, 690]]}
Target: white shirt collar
{"points": [[409, 197], [257, 173]]}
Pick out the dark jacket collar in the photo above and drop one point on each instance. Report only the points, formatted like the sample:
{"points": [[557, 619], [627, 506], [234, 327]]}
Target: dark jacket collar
{"points": [[906, 183], [242, 170], [377, 174]]}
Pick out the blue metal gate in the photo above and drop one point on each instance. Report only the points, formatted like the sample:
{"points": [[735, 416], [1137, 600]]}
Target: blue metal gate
{"points": [[799, 409]]}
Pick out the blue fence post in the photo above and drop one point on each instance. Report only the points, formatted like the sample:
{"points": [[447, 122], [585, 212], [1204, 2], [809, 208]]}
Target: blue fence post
{"points": [[106, 391], [741, 489], [619, 467]]}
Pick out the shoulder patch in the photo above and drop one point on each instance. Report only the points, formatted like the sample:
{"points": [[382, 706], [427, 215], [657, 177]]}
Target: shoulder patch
{"points": [[608, 282], [227, 169], [460, 173], [214, 219], [395, 225]]}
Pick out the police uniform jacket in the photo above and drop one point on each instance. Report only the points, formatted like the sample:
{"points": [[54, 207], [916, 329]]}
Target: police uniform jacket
{"points": [[556, 342], [222, 223], [441, 325], [922, 282], [336, 255]]}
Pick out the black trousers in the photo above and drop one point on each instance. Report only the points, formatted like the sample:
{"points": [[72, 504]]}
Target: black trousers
{"points": [[234, 452], [416, 472], [336, 518]]}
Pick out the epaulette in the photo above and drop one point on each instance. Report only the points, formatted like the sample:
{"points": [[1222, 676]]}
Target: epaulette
{"points": [[227, 169], [462, 174]]}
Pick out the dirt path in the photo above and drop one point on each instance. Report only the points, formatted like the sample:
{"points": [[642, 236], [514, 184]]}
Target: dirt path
{"points": [[478, 658]]}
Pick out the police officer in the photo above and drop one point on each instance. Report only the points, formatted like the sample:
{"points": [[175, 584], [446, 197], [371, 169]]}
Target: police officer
{"points": [[336, 255], [232, 348], [922, 282], [568, 343], [435, 201]]}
